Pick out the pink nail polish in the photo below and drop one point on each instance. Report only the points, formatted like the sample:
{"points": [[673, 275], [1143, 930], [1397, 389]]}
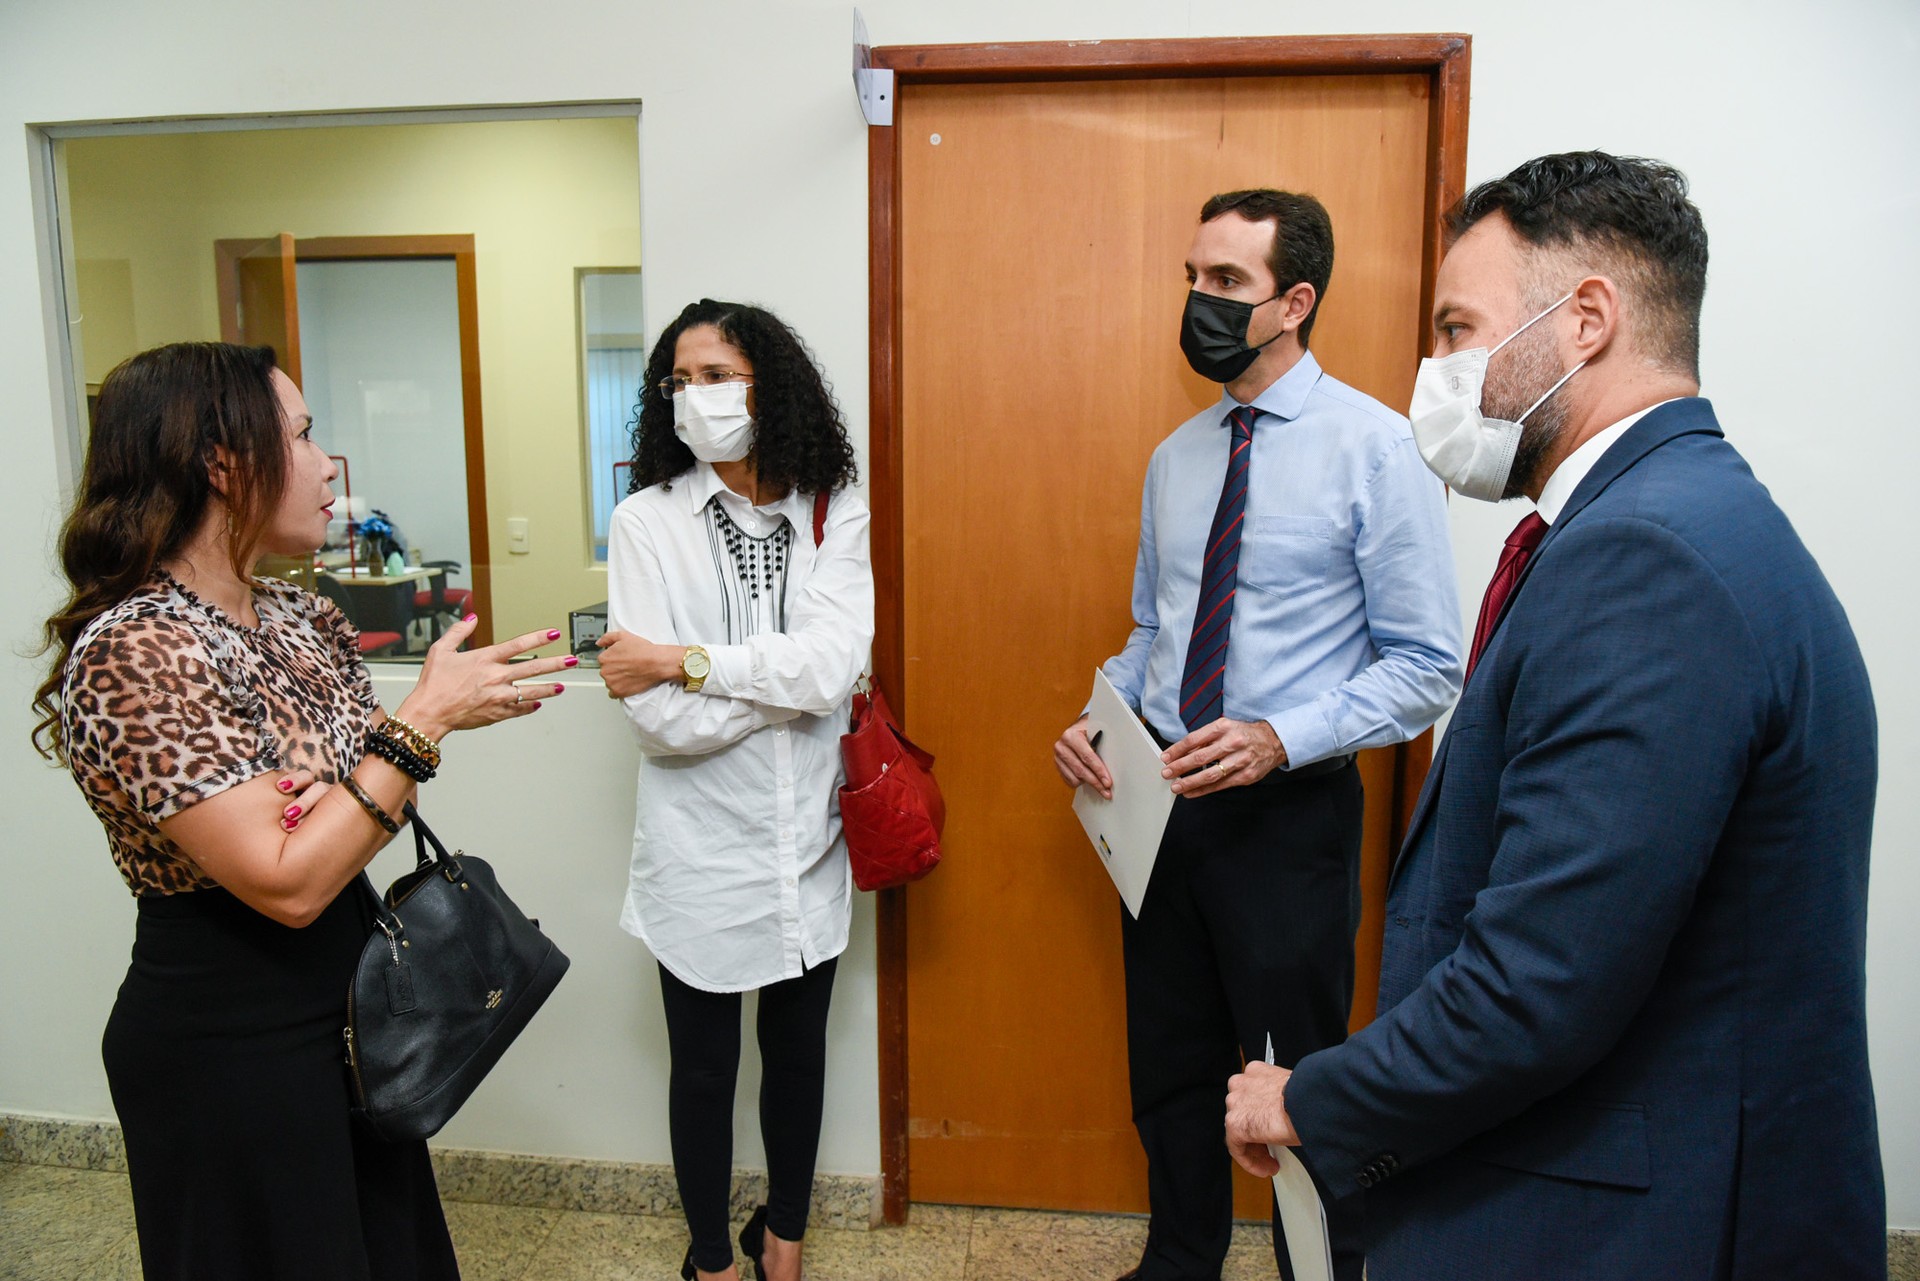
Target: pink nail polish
{"points": [[553, 634], [286, 785], [572, 661], [558, 690], [469, 618], [536, 707], [293, 811], [286, 824]]}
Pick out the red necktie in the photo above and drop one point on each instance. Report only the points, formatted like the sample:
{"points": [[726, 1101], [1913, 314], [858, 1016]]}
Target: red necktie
{"points": [[1519, 549]]}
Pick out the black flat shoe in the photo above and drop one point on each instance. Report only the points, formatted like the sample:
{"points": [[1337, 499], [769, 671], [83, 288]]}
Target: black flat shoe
{"points": [[686, 1266], [753, 1241]]}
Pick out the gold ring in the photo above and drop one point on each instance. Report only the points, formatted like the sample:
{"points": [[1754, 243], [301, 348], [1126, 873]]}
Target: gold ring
{"points": [[518, 694], [1220, 765]]}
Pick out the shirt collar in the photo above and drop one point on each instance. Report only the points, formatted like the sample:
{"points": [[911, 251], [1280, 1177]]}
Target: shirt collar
{"points": [[1288, 394], [703, 482], [1567, 476]]}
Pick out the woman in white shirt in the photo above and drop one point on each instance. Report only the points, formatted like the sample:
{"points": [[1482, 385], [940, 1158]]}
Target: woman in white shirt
{"points": [[741, 601]]}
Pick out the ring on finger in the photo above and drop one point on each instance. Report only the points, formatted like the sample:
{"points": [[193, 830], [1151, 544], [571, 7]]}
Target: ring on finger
{"points": [[1220, 766], [518, 694]]}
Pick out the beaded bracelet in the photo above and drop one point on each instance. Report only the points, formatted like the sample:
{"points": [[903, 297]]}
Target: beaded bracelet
{"points": [[424, 747], [367, 803], [400, 756]]}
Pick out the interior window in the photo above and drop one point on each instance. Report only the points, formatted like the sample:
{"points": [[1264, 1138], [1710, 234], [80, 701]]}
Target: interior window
{"points": [[420, 281]]}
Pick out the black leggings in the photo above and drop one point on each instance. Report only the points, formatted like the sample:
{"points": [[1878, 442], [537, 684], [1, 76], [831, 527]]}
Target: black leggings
{"points": [[703, 1033]]}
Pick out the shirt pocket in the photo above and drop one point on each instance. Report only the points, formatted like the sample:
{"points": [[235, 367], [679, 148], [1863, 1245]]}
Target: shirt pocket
{"points": [[1283, 554]]}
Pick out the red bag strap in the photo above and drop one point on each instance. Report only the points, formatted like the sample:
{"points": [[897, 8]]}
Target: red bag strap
{"points": [[820, 501]]}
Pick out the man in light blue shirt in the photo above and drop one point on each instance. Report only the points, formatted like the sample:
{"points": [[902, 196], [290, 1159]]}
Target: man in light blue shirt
{"points": [[1294, 602]]}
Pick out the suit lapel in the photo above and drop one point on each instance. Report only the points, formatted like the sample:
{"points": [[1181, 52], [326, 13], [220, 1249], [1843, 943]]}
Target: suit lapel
{"points": [[1690, 416]]}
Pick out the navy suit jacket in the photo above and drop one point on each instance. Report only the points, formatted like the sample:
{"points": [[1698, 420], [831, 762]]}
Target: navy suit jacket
{"points": [[1623, 1026]]}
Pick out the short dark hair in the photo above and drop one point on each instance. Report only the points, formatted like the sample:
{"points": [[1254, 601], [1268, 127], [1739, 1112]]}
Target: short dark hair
{"points": [[1302, 238], [800, 441], [1632, 211]]}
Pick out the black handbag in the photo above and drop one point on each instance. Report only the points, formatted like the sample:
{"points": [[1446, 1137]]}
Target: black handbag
{"points": [[451, 973]]}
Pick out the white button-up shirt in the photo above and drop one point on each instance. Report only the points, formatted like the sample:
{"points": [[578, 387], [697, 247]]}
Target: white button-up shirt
{"points": [[739, 875]]}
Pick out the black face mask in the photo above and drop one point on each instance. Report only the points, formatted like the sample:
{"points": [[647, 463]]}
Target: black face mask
{"points": [[1213, 334]]}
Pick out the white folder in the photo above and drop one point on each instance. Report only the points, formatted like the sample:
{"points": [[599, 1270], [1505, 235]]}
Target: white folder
{"points": [[1126, 830], [1301, 1214]]}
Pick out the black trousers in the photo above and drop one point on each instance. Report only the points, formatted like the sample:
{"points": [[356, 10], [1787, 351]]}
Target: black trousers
{"points": [[703, 1036], [1246, 932]]}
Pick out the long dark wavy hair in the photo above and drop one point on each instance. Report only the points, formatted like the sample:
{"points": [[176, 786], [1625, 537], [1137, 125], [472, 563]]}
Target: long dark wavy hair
{"points": [[799, 439], [146, 484]]}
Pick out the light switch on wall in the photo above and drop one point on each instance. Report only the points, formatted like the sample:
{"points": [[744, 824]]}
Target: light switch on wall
{"points": [[517, 541]]}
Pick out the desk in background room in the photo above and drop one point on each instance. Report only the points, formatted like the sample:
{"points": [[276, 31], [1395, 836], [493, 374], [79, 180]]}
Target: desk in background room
{"points": [[379, 603]]}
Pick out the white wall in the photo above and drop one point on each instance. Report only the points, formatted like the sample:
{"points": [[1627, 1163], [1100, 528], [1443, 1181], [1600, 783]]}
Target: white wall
{"points": [[1796, 122]]}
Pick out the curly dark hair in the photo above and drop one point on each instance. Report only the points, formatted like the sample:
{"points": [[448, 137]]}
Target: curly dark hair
{"points": [[1629, 214], [146, 484], [799, 439]]}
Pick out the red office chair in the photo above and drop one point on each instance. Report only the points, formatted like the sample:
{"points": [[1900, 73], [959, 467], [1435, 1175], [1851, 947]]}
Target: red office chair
{"points": [[373, 644], [441, 602]]}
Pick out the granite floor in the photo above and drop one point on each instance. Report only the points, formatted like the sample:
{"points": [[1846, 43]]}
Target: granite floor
{"points": [[77, 1225]]}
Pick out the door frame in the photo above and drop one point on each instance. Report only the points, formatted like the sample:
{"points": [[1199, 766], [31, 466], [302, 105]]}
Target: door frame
{"points": [[460, 250], [1445, 59]]}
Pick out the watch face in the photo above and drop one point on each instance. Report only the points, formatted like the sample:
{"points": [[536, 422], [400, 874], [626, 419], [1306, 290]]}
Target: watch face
{"points": [[696, 664]]}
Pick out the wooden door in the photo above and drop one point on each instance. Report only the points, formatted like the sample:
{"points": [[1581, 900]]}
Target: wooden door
{"points": [[259, 306], [1042, 229], [259, 299], [257, 283], [461, 251]]}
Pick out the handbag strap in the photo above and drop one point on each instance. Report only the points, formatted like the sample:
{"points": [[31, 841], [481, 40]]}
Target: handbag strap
{"points": [[423, 835]]}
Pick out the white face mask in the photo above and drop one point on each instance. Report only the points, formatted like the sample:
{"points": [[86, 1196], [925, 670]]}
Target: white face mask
{"points": [[713, 421], [1473, 454]]}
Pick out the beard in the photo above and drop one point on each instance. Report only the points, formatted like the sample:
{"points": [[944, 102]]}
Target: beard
{"points": [[1529, 368]]}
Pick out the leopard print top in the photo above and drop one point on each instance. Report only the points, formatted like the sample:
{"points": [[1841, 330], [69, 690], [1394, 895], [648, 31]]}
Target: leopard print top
{"points": [[167, 701]]}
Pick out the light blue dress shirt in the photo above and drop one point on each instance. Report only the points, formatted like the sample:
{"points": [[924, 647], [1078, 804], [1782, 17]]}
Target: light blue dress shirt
{"points": [[1346, 622]]}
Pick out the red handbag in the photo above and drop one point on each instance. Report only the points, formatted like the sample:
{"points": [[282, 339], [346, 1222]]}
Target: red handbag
{"points": [[891, 811]]}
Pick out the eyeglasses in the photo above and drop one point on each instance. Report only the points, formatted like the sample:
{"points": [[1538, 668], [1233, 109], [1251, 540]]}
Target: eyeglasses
{"points": [[670, 387]]}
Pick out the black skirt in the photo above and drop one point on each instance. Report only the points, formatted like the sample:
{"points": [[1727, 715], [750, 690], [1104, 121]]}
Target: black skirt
{"points": [[227, 1065]]}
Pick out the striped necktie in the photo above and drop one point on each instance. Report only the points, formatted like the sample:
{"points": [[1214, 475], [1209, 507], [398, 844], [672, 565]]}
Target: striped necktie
{"points": [[1203, 683]]}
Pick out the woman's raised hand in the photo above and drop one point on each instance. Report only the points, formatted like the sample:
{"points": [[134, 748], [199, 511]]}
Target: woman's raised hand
{"points": [[467, 689]]}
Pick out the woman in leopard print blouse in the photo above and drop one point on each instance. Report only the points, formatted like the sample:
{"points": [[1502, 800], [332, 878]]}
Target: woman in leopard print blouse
{"points": [[208, 716]]}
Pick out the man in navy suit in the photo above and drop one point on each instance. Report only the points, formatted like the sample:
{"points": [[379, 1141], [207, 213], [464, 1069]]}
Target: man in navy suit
{"points": [[1623, 1028]]}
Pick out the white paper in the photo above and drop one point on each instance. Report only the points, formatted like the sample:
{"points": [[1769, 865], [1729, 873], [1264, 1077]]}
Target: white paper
{"points": [[1302, 1215], [1126, 830]]}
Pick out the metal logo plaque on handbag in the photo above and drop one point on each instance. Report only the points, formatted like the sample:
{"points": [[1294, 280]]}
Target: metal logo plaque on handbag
{"points": [[891, 810], [450, 975]]}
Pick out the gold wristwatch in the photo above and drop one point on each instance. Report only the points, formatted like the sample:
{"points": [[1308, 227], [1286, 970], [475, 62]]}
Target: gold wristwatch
{"points": [[695, 665]]}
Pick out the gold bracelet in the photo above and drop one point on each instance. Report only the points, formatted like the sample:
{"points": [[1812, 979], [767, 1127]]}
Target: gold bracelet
{"points": [[367, 803], [424, 747]]}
